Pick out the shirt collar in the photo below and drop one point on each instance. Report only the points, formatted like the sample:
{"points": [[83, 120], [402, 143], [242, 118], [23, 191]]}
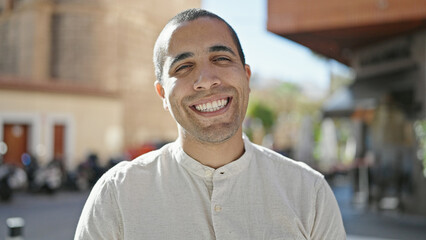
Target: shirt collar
{"points": [[230, 169]]}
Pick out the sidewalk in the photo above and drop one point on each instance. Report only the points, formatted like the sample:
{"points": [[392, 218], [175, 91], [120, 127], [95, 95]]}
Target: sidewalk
{"points": [[47, 217], [364, 224]]}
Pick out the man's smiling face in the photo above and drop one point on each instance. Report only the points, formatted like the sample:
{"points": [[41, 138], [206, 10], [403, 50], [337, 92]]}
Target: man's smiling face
{"points": [[204, 84]]}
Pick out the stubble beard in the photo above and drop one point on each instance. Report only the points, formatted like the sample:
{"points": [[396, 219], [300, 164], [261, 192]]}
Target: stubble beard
{"points": [[215, 132]]}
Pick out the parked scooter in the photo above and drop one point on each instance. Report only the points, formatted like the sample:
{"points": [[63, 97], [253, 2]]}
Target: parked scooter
{"points": [[11, 178], [47, 178], [88, 172]]}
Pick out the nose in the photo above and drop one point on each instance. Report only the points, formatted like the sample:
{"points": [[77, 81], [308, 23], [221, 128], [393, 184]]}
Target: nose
{"points": [[207, 79]]}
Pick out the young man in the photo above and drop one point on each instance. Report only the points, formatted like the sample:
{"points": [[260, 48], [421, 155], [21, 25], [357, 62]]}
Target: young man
{"points": [[211, 183]]}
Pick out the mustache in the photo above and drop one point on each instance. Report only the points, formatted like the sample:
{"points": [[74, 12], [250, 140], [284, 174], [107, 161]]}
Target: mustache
{"points": [[214, 91]]}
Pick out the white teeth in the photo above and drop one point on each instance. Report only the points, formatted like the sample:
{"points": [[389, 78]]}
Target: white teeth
{"points": [[212, 106]]}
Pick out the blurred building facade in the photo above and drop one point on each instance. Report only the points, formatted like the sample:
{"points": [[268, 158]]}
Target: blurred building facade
{"points": [[76, 76], [384, 41]]}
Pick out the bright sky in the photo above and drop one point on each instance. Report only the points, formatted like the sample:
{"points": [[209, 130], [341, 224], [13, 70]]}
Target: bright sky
{"points": [[268, 54]]}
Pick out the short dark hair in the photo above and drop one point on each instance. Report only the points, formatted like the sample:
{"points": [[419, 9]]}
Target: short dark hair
{"points": [[187, 16]]}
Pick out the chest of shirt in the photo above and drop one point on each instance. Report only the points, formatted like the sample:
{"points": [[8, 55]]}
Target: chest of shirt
{"points": [[210, 207]]}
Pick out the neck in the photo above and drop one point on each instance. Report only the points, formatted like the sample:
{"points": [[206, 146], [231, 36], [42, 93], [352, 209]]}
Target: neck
{"points": [[214, 155]]}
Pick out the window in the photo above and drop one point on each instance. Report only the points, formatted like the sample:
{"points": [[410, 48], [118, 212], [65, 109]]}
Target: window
{"points": [[72, 50]]}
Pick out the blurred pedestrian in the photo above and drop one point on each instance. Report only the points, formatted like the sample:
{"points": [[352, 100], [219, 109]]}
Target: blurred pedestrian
{"points": [[212, 182]]}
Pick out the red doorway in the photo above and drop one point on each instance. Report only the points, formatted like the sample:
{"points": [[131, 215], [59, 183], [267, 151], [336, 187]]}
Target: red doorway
{"points": [[59, 142], [16, 139]]}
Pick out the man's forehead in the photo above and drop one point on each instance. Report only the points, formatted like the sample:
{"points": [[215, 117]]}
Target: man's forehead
{"points": [[202, 33]]}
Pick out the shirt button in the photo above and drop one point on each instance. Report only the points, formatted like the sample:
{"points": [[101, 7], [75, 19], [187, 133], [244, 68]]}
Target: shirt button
{"points": [[217, 208], [208, 173]]}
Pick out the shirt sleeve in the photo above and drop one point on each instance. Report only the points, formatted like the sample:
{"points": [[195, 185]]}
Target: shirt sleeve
{"points": [[328, 222], [100, 218]]}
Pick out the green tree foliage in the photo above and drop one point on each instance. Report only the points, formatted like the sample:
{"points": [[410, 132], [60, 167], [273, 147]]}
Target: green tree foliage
{"points": [[280, 109], [260, 110], [284, 98]]}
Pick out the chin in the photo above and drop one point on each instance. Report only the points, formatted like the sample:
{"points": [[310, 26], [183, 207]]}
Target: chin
{"points": [[217, 136]]}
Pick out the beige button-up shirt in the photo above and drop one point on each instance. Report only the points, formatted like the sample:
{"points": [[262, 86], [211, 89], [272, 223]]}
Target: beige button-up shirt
{"points": [[166, 194]]}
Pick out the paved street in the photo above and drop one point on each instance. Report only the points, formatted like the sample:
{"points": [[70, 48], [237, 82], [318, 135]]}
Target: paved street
{"points": [[55, 218], [363, 224], [46, 217]]}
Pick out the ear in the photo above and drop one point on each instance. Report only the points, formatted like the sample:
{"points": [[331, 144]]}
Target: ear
{"points": [[248, 73], [160, 91]]}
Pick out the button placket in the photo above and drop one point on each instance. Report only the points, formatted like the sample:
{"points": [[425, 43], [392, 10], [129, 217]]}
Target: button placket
{"points": [[219, 201], [219, 189]]}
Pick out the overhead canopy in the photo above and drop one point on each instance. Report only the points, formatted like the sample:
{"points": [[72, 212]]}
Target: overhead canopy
{"points": [[334, 27]]}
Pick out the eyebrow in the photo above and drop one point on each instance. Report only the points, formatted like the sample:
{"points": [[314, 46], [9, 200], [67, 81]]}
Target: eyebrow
{"points": [[181, 57], [221, 48]]}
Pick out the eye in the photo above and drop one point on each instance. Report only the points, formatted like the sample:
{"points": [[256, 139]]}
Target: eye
{"points": [[221, 59], [182, 67]]}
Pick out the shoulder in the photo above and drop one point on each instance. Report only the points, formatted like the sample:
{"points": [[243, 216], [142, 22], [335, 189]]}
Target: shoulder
{"points": [[285, 167], [139, 166]]}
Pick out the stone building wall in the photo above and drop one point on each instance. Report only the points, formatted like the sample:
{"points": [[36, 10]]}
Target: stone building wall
{"points": [[139, 25], [104, 47]]}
